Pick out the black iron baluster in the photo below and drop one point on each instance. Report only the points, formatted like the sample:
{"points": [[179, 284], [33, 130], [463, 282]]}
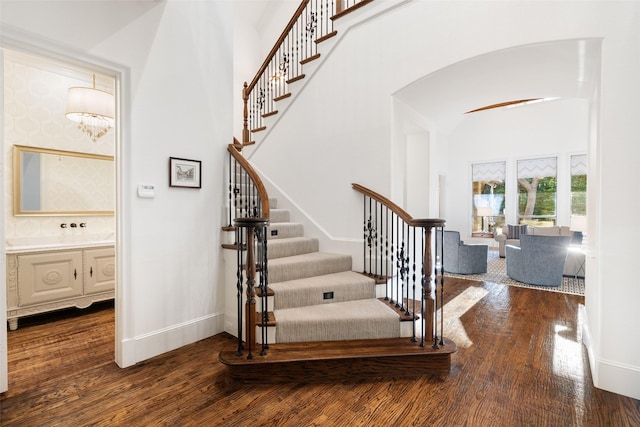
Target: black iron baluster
{"points": [[392, 258], [398, 260], [370, 237], [422, 283], [254, 198], [441, 286], [364, 234], [386, 246], [239, 281], [230, 189], [381, 236], [403, 260], [413, 268], [435, 290], [261, 234], [235, 188]]}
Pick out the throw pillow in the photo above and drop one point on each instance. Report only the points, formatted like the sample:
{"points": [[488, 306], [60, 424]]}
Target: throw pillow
{"points": [[514, 231]]}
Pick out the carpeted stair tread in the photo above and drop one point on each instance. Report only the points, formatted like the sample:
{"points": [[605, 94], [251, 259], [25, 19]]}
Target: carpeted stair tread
{"points": [[359, 319], [307, 265], [343, 286], [285, 247], [282, 230]]}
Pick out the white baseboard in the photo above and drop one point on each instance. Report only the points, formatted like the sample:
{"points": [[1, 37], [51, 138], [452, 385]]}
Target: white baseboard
{"points": [[609, 375], [619, 378], [143, 347]]}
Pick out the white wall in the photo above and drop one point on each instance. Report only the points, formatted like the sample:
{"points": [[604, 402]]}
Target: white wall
{"points": [[175, 58], [611, 293], [339, 130]]}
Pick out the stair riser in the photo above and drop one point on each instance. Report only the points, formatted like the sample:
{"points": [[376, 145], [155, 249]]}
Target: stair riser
{"points": [[380, 293], [284, 230], [279, 215], [343, 369], [282, 273], [279, 248], [323, 295], [312, 299]]}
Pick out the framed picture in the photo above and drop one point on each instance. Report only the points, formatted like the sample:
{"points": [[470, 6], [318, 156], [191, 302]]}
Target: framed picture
{"points": [[184, 173]]}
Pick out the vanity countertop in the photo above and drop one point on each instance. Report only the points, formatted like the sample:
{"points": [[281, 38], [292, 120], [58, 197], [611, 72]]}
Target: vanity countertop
{"points": [[48, 243]]}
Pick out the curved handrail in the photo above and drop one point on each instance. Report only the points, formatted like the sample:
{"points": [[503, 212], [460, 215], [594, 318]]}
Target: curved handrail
{"points": [[404, 215], [262, 191]]}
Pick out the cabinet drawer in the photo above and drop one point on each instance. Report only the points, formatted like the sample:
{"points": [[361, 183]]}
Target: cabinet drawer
{"points": [[49, 276]]}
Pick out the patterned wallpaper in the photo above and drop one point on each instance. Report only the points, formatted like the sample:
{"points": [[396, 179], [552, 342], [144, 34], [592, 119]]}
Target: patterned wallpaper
{"points": [[35, 100]]}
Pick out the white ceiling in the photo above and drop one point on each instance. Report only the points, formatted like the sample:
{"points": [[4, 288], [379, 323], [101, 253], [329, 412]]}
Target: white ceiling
{"points": [[96, 20], [564, 69]]}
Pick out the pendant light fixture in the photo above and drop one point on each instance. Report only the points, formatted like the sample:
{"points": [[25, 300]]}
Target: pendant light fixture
{"points": [[92, 109]]}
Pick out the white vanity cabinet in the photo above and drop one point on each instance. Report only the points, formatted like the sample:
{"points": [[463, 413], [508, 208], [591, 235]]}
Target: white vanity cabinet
{"points": [[42, 280]]}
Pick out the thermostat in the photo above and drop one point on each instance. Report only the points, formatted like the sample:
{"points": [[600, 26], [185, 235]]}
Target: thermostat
{"points": [[146, 190]]}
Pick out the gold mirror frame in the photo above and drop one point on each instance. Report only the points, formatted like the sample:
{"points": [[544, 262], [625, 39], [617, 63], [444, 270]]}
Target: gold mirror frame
{"points": [[18, 209]]}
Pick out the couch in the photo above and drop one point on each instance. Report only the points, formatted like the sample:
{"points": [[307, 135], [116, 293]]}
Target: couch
{"points": [[459, 258], [539, 260], [510, 234]]}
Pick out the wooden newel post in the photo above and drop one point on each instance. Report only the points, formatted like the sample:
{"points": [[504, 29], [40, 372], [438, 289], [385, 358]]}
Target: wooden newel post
{"points": [[251, 314], [245, 115]]}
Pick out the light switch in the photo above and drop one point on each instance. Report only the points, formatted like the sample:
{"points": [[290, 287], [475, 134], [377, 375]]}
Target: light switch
{"points": [[146, 190]]}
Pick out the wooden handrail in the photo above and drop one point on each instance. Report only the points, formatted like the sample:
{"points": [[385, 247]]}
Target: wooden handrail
{"points": [[262, 191], [276, 46], [376, 229], [424, 222]]}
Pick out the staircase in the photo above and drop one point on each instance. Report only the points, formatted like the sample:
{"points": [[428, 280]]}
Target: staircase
{"points": [[325, 321], [302, 314]]}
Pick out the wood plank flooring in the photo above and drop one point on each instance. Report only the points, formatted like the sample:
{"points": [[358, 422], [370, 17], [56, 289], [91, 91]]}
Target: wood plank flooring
{"points": [[521, 364]]}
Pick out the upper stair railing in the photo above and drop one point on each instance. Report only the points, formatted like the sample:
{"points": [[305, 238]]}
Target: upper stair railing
{"points": [[397, 250], [311, 24]]}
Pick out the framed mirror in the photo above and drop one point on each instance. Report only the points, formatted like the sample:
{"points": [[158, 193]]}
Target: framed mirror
{"points": [[56, 182]]}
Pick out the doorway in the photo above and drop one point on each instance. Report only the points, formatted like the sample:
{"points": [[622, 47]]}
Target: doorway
{"points": [[34, 87]]}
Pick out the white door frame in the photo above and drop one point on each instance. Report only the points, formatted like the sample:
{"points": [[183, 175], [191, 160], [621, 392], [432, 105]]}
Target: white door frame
{"points": [[121, 75]]}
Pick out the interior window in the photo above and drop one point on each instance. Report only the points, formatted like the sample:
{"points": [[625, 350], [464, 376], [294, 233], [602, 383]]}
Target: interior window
{"points": [[488, 197], [537, 188]]}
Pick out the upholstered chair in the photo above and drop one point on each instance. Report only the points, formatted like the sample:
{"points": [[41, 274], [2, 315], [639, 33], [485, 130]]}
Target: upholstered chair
{"points": [[539, 260], [459, 258]]}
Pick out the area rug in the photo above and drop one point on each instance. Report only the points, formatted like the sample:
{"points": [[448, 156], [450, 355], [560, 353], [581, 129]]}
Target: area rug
{"points": [[497, 273]]}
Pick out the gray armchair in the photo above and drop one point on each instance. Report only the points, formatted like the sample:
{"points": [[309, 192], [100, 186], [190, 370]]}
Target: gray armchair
{"points": [[459, 258], [539, 260]]}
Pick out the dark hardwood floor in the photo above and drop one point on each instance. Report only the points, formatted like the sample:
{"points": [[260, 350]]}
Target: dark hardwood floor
{"points": [[520, 362]]}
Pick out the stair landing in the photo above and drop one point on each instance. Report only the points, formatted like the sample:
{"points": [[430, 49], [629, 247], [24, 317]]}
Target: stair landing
{"points": [[337, 361]]}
